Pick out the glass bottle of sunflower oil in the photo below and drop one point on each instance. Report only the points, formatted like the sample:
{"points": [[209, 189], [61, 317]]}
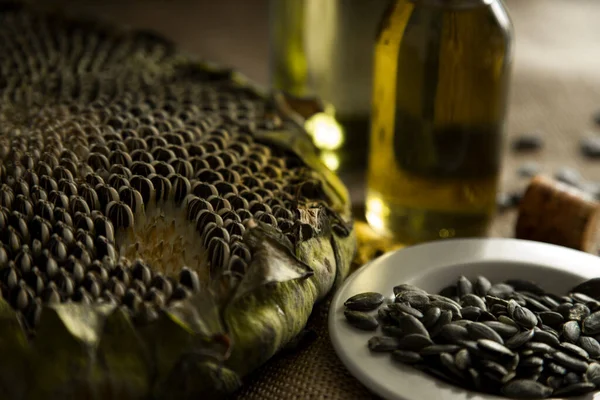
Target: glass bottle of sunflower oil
{"points": [[441, 79]]}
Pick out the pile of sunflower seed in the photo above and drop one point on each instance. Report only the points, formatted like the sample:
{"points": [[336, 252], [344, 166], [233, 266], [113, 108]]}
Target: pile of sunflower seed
{"points": [[510, 338]]}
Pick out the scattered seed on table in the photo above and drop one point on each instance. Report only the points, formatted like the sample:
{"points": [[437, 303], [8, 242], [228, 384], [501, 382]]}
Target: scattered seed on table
{"points": [[568, 175], [528, 169], [590, 147], [527, 142]]}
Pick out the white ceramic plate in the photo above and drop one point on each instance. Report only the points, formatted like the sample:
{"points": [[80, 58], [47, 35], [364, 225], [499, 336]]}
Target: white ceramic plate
{"points": [[433, 266]]}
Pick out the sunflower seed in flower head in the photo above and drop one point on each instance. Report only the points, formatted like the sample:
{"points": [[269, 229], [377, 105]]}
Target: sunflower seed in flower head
{"points": [[410, 324], [571, 331], [592, 374], [473, 300], [407, 357], [364, 301], [569, 362], [526, 389], [431, 316], [414, 342], [576, 389], [590, 345], [520, 339], [505, 330], [524, 317], [574, 350], [406, 287], [551, 318], [478, 330], [462, 359], [471, 313], [463, 287], [361, 320], [444, 319], [399, 309], [545, 337], [439, 349], [415, 299], [591, 324], [382, 344]]}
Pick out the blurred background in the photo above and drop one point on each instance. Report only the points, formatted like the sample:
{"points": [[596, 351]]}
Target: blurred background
{"points": [[555, 84]]}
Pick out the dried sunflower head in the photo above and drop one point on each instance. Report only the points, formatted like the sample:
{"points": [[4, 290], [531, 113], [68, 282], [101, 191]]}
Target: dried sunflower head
{"points": [[165, 228]]}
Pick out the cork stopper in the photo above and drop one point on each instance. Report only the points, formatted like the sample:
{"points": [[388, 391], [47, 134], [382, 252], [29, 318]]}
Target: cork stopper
{"points": [[556, 213]]}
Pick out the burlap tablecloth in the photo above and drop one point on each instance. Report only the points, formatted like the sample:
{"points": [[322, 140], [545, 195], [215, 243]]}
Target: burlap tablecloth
{"points": [[555, 90]]}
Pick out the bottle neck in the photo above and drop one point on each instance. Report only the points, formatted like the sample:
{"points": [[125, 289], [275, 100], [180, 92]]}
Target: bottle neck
{"points": [[454, 3]]}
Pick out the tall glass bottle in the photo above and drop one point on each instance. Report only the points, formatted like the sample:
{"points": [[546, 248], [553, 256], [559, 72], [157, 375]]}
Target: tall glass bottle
{"points": [[441, 78]]}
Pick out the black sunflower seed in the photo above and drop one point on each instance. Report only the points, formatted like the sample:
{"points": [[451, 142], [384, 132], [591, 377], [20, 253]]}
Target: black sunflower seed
{"points": [[361, 320], [482, 286], [571, 331], [463, 287], [364, 301], [471, 313], [383, 344], [505, 330], [569, 362], [406, 357], [474, 301], [431, 316], [551, 318], [526, 389], [572, 349], [591, 324], [439, 349], [398, 309], [575, 389], [478, 330], [590, 345], [520, 339], [453, 333], [524, 317], [414, 342], [545, 337], [410, 324], [415, 299]]}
